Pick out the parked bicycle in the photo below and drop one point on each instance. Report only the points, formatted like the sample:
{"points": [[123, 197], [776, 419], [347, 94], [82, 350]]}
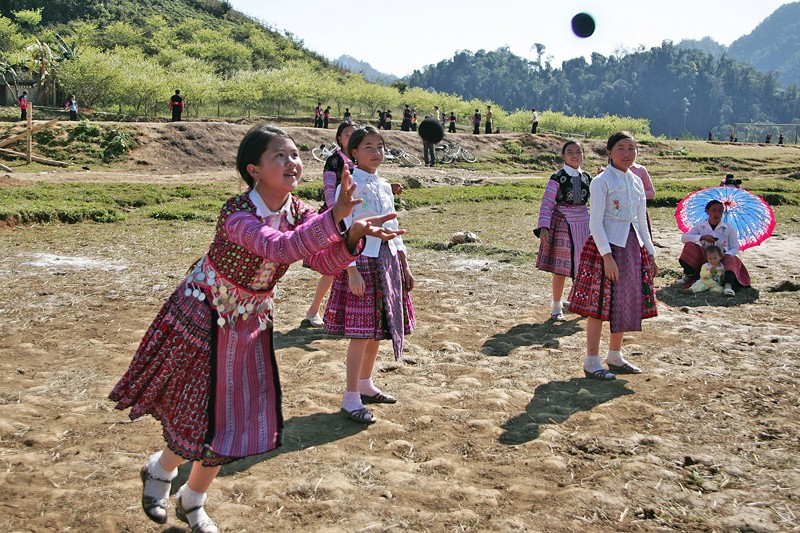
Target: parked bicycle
{"points": [[324, 151], [450, 151], [402, 157]]}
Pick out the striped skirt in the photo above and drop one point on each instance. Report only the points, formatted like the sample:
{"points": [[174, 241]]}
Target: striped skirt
{"points": [[384, 311], [215, 390], [693, 256], [623, 303], [561, 251]]}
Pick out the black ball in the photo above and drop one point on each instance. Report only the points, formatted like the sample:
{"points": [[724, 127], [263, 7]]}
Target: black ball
{"points": [[583, 25], [431, 130]]}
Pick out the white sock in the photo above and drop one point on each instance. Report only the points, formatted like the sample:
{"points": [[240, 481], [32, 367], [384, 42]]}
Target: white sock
{"points": [[615, 358], [557, 308], [351, 401], [367, 387], [591, 363], [156, 470], [190, 499]]}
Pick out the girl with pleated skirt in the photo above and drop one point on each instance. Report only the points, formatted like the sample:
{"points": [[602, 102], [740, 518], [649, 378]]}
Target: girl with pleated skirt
{"points": [[614, 282]]}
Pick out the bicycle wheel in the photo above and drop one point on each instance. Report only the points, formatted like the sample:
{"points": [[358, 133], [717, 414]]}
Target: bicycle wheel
{"points": [[319, 154], [410, 160], [468, 156]]}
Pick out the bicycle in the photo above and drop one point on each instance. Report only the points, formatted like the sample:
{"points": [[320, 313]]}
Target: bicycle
{"points": [[324, 151], [453, 151], [402, 157]]}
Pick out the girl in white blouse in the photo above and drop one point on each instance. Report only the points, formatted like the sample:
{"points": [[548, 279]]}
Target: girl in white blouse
{"points": [[370, 300], [614, 282]]}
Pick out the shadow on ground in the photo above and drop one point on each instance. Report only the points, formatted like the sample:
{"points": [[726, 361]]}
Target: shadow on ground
{"points": [[546, 335], [555, 401]]}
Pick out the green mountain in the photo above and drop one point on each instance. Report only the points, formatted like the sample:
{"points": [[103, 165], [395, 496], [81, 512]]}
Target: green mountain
{"points": [[370, 73], [774, 45]]}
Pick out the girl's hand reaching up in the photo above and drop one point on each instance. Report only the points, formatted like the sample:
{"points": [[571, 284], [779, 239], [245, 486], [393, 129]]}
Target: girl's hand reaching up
{"points": [[345, 202]]}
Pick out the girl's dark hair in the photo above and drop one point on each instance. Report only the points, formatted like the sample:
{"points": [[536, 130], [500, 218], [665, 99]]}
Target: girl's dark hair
{"points": [[569, 143], [339, 131], [617, 137], [358, 136], [713, 202], [713, 248], [253, 146]]}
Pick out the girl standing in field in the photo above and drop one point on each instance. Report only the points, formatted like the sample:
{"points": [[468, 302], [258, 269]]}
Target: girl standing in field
{"points": [[617, 267], [563, 223], [206, 367], [370, 300], [331, 178]]}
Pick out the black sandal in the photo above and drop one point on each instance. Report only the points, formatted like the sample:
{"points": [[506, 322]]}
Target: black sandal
{"points": [[359, 415], [204, 526], [602, 374], [626, 368], [149, 503], [378, 398]]}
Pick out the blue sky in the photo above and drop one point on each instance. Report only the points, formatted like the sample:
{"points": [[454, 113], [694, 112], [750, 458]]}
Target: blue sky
{"points": [[398, 37]]}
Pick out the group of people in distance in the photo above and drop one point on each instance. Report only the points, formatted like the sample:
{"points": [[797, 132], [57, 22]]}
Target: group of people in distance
{"points": [[206, 367], [607, 249]]}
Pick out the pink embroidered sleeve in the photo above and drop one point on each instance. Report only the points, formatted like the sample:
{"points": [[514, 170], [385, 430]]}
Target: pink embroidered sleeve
{"points": [[548, 204], [317, 240], [329, 187]]}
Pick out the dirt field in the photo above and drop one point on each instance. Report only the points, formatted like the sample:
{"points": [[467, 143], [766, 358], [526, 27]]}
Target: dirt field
{"points": [[495, 429]]}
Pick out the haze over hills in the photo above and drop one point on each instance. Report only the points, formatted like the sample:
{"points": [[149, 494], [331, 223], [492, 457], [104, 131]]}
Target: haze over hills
{"points": [[371, 74]]}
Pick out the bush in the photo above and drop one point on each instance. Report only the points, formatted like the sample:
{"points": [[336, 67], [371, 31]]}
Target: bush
{"points": [[115, 143]]}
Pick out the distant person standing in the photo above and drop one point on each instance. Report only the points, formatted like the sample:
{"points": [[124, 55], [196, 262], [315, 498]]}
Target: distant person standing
{"points": [[348, 117], [768, 140], [488, 119], [476, 122], [780, 138], [452, 127], [72, 105], [710, 136], [387, 120], [534, 121], [437, 116], [381, 120], [318, 115], [413, 119], [23, 105], [405, 125], [326, 117], [177, 105]]}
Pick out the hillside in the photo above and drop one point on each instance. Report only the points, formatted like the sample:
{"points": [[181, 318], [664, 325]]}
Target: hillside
{"points": [[774, 45], [370, 73]]}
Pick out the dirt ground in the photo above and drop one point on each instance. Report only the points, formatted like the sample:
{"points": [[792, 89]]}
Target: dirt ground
{"points": [[495, 429]]}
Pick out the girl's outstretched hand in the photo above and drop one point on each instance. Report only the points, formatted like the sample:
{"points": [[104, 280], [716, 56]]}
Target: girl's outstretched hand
{"points": [[371, 227], [345, 202]]}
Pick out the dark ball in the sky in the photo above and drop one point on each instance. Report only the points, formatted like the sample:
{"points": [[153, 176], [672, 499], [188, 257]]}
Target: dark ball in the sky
{"points": [[583, 25], [430, 130]]}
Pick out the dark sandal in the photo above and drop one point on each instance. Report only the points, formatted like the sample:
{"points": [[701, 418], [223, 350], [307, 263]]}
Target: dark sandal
{"points": [[378, 398], [602, 374], [151, 502], [204, 526], [627, 368], [359, 415]]}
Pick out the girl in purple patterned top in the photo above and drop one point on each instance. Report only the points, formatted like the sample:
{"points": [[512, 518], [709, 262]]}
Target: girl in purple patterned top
{"points": [[206, 367]]}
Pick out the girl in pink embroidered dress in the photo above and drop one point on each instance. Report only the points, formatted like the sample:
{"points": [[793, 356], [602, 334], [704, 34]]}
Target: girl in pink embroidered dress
{"points": [[206, 367], [331, 177], [370, 300]]}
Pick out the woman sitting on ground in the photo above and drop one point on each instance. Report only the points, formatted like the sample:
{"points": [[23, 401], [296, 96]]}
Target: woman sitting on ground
{"points": [[714, 231]]}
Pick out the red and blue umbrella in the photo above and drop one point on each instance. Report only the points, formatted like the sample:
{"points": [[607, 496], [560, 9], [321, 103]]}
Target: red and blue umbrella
{"points": [[751, 215]]}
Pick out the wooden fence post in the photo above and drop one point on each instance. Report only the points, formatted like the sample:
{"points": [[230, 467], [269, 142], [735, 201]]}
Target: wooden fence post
{"points": [[29, 144]]}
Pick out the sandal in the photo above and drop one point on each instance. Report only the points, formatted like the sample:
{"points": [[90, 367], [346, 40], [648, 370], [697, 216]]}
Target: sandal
{"points": [[558, 317], [626, 368], [602, 374], [203, 526], [359, 415], [378, 398], [153, 507]]}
